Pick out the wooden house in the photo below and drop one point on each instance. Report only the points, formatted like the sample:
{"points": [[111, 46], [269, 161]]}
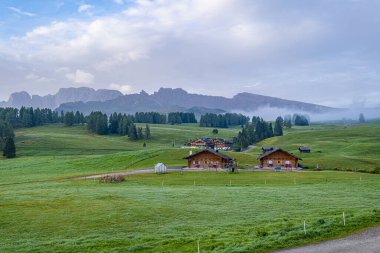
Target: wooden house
{"points": [[278, 158], [304, 149], [199, 143], [213, 143], [209, 158]]}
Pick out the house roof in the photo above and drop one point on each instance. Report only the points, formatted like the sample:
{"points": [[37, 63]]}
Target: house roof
{"points": [[211, 151], [275, 150], [304, 148]]}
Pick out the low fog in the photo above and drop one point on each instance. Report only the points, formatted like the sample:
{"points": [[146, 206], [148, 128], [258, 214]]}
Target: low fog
{"points": [[349, 114]]}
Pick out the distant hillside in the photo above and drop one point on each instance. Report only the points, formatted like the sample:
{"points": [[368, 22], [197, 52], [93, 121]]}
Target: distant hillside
{"points": [[64, 95], [167, 100]]}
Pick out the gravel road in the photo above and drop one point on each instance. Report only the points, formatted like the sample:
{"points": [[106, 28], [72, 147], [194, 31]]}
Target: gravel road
{"points": [[367, 241]]}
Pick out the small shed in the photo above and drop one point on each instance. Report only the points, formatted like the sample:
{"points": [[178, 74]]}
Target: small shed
{"points": [[160, 168], [267, 149], [304, 149]]}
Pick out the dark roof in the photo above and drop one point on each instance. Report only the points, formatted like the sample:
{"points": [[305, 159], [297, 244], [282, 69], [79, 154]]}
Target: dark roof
{"points": [[211, 151], [304, 148], [275, 150], [268, 148]]}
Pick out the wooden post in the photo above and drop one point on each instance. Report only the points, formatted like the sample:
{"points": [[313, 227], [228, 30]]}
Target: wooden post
{"points": [[344, 220], [230, 182], [304, 226], [199, 248], [194, 182]]}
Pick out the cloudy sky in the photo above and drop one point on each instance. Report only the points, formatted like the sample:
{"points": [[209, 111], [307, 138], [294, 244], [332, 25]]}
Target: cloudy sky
{"points": [[320, 51]]}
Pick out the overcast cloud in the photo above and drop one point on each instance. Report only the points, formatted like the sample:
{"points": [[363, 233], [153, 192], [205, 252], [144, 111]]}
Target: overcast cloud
{"points": [[324, 52]]}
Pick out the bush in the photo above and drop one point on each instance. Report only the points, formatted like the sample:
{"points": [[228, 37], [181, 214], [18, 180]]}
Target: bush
{"points": [[112, 179], [261, 232], [321, 221], [375, 170]]}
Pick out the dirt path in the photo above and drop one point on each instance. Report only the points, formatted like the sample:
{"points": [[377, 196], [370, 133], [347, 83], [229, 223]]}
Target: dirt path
{"points": [[367, 241], [144, 171]]}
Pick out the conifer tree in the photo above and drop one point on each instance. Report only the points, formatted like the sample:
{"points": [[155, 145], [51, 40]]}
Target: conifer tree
{"points": [[147, 132], [10, 148], [278, 127]]}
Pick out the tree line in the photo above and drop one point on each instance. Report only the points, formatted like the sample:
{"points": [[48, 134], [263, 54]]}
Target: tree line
{"points": [[181, 117], [223, 120], [117, 123], [257, 130]]}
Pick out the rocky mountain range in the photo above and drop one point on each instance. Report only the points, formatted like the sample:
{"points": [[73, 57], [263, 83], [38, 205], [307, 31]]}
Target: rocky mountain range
{"points": [[170, 100], [64, 95], [164, 100]]}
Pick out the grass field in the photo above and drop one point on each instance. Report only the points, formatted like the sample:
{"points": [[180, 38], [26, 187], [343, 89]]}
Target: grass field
{"points": [[42, 211], [244, 212], [351, 147]]}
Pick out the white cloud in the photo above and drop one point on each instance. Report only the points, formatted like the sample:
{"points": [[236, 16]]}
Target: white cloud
{"points": [[85, 8], [81, 77], [119, 1], [122, 88], [226, 46], [37, 78], [21, 12]]}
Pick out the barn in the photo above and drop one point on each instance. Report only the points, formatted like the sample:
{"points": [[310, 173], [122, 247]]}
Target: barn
{"points": [[210, 158], [278, 158]]}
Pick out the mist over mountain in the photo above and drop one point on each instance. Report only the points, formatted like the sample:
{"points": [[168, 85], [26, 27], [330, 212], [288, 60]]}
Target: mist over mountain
{"points": [[170, 100], [64, 95]]}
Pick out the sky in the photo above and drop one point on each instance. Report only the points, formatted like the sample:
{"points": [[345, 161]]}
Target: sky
{"points": [[319, 51]]}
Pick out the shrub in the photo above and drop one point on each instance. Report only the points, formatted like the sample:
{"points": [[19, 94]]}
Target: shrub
{"points": [[261, 232], [321, 221], [112, 179]]}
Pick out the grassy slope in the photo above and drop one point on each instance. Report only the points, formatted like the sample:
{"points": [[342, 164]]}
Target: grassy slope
{"points": [[334, 146], [142, 216]]}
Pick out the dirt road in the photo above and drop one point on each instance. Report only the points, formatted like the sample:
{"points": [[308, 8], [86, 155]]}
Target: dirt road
{"points": [[367, 241]]}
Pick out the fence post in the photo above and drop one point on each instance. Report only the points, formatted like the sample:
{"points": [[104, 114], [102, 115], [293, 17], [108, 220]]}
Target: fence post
{"points": [[304, 226], [199, 248], [344, 220]]}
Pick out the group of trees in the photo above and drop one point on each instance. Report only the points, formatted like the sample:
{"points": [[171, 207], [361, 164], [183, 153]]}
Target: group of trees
{"points": [[256, 131], [29, 117], [157, 118], [300, 120], [223, 120], [121, 124], [71, 118], [181, 117], [149, 118], [7, 145]]}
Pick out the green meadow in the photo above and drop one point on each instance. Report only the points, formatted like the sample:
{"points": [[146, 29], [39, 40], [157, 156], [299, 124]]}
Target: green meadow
{"points": [[43, 210]]}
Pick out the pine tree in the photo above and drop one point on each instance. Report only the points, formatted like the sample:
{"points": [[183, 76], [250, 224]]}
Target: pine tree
{"points": [[278, 127], [10, 148], [140, 134], [132, 132], [147, 132], [361, 118]]}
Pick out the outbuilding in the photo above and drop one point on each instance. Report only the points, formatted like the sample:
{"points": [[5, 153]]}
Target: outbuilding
{"points": [[304, 149]]}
